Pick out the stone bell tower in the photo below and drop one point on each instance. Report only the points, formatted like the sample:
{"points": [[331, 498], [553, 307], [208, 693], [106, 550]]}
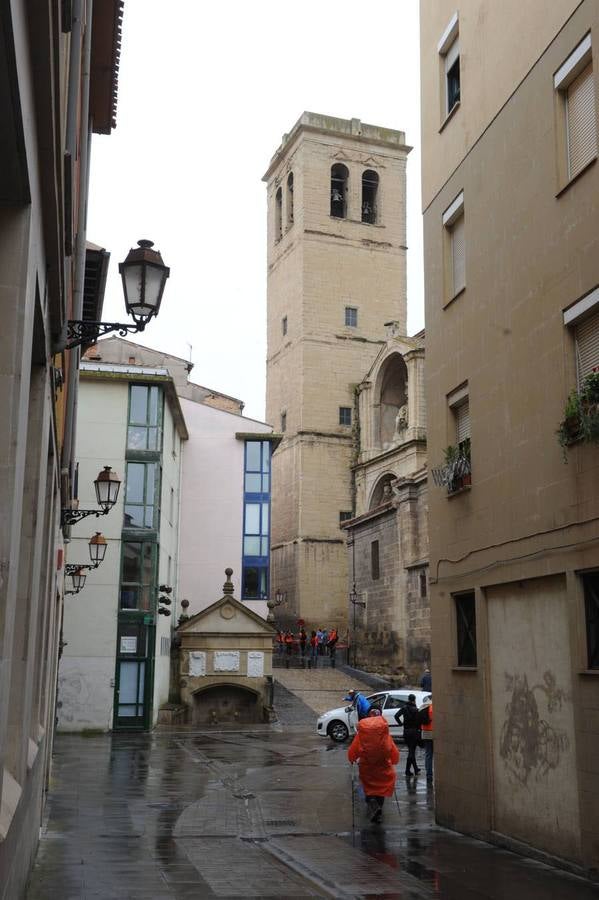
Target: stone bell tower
{"points": [[336, 274]]}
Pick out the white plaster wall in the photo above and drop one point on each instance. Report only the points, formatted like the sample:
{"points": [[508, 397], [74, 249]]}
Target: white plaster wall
{"points": [[212, 504], [168, 550], [87, 668]]}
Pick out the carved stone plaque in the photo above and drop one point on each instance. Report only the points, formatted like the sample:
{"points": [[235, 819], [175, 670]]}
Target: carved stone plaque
{"points": [[197, 663], [255, 664], [226, 660]]}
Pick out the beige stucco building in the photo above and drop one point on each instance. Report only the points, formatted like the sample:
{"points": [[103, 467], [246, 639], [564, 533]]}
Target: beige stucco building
{"points": [[336, 274], [511, 240]]}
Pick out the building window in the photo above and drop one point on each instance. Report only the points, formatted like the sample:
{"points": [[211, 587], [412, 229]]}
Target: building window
{"points": [[455, 248], [375, 571], [345, 516], [370, 186], [422, 581], [465, 609], [256, 521], [590, 583], [283, 421], [279, 214], [145, 418], [290, 200], [142, 489], [345, 415], [351, 316], [171, 507], [449, 54], [461, 414], [575, 84], [583, 318], [137, 575], [284, 325], [339, 188]]}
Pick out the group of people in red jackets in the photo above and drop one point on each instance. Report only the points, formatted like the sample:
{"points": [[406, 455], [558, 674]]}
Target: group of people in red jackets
{"points": [[320, 643]]}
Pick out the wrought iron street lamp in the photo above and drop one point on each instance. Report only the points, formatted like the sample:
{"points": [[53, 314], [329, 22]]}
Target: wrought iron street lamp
{"points": [[280, 597], [144, 276], [97, 548], [353, 599], [107, 486], [78, 578]]}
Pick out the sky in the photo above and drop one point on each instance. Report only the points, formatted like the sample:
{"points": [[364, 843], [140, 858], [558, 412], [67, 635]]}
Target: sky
{"points": [[206, 91]]}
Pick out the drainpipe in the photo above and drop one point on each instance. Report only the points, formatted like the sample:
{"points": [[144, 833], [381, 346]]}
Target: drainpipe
{"points": [[68, 451]]}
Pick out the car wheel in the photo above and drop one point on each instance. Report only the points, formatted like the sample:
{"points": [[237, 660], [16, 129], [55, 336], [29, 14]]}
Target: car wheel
{"points": [[338, 731]]}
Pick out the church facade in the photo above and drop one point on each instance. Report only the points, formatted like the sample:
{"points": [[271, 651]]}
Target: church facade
{"points": [[387, 538]]}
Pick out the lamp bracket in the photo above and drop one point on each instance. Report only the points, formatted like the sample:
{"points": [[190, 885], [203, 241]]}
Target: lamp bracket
{"points": [[81, 331], [72, 516], [73, 568]]}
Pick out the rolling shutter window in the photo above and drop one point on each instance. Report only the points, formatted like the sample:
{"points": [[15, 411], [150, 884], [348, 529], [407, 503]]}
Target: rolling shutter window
{"points": [[581, 122], [462, 421], [587, 346], [458, 255]]}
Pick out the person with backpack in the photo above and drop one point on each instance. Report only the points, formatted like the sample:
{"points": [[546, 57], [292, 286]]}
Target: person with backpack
{"points": [[426, 718], [376, 754], [410, 717]]}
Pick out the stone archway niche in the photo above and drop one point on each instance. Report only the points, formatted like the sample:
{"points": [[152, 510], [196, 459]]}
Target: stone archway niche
{"points": [[393, 400], [226, 704]]}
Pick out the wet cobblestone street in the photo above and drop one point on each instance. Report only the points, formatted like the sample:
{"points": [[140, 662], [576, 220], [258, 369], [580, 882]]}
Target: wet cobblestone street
{"points": [[264, 811]]}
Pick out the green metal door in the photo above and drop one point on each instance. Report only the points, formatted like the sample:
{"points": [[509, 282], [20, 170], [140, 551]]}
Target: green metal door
{"points": [[133, 673]]}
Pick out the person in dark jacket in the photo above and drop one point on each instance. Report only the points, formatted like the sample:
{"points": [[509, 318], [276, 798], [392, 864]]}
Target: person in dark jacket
{"points": [[409, 716], [426, 682]]}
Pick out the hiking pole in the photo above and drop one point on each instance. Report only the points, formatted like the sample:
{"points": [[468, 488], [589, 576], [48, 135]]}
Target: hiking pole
{"points": [[353, 808], [396, 800]]}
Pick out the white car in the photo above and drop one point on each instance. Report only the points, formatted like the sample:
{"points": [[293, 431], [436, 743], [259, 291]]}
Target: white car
{"points": [[339, 723]]}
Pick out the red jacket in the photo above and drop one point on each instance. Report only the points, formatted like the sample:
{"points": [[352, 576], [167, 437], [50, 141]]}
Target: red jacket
{"points": [[377, 755]]}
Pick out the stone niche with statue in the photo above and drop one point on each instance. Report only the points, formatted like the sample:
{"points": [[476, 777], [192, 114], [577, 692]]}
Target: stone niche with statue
{"points": [[225, 663]]}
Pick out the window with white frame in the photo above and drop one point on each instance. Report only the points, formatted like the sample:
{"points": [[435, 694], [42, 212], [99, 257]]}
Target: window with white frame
{"points": [[455, 247], [449, 53], [575, 82], [459, 405], [583, 318]]}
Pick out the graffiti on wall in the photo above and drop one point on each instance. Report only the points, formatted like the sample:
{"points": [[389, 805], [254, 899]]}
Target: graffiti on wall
{"points": [[530, 746]]}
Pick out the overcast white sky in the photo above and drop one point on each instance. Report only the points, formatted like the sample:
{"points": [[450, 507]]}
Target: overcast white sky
{"points": [[206, 89]]}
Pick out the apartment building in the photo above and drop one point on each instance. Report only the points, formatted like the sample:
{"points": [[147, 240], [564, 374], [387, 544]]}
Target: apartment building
{"points": [[511, 242]]}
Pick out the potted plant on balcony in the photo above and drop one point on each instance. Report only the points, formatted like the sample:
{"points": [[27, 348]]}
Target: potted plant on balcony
{"points": [[589, 406], [464, 451]]}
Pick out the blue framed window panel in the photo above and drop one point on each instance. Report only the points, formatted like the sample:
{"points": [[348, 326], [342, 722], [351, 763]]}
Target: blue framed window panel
{"points": [[256, 521]]}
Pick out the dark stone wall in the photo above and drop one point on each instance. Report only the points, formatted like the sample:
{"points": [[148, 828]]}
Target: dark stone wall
{"points": [[392, 633]]}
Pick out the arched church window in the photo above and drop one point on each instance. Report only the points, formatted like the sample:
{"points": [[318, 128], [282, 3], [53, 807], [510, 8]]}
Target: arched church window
{"points": [[383, 491], [290, 200], [370, 187], [279, 214], [339, 186]]}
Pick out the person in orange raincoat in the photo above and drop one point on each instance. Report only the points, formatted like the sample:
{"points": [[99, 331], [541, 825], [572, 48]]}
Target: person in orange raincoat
{"points": [[376, 754]]}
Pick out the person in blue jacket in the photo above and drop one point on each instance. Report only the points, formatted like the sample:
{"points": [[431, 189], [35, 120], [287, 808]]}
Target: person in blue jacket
{"points": [[360, 702]]}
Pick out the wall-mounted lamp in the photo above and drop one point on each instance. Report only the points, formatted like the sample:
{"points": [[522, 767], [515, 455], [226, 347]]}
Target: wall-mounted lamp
{"points": [[107, 486], [280, 597], [144, 276], [77, 577]]}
